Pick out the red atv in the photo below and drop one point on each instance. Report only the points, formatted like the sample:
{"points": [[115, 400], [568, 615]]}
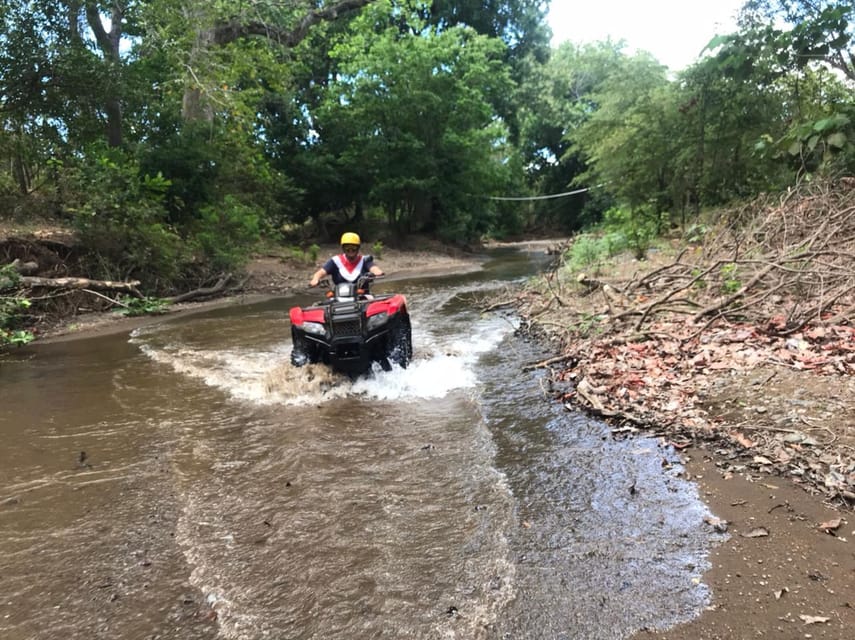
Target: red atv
{"points": [[350, 330]]}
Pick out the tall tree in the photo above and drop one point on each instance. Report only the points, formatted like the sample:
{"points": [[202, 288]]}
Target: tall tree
{"points": [[555, 99], [214, 27], [414, 119], [623, 139], [813, 31]]}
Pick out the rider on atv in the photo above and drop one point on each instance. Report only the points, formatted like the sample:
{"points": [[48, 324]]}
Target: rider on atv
{"points": [[350, 330], [347, 266]]}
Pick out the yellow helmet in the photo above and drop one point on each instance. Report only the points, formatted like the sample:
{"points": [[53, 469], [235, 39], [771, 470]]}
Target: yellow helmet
{"points": [[350, 238]]}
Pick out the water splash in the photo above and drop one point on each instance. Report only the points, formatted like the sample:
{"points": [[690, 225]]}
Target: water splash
{"points": [[265, 376]]}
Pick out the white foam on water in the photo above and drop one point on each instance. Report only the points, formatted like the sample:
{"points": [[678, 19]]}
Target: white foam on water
{"points": [[445, 363], [449, 366]]}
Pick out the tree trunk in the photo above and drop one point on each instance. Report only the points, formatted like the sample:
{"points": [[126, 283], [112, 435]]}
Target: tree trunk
{"points": [[109, 43]]}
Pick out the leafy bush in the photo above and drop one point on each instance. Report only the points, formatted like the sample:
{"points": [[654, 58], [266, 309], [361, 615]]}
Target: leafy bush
{"points": [[695, 233], [226, 233], [141, 306], [120, 217], [638, 226], [585, 251], [377, 250], [590, 249], [10, 308]]}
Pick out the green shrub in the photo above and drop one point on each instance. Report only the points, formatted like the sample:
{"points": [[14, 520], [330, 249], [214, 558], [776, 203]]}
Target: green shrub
{"points": [[227, 232], [141, 306], [377, 250], [586, 251], [638, 226], [730, 280], [10, 310], [120, 217]]}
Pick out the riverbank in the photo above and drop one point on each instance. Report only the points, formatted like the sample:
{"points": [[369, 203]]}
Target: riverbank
{"points": [[266, 275], [744, 365]]}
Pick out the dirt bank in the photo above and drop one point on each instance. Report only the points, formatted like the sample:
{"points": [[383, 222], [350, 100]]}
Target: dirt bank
{"points": [[265, 276], [739, 353]]}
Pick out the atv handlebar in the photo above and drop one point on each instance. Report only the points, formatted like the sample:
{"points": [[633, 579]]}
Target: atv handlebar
{"points": [[324, 281], [365, 277]]}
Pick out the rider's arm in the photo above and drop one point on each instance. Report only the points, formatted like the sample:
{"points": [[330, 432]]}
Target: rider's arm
{"points": [[372, 267], [328, 269], [316, 277]]}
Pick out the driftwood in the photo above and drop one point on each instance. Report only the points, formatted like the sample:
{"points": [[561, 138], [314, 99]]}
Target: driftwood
{"points": [[80, 283], [203, 292], [24, 268]]}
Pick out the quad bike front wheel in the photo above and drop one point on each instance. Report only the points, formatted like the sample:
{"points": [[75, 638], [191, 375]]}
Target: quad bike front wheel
{"points": [[401, 343], [302, 353]]}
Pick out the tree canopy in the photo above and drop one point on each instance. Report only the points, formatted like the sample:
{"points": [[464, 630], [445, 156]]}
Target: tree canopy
{"points": [[175, 136]]}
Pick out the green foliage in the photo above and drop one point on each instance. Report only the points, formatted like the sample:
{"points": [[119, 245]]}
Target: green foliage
{"points": [[695, 233], [144, 306], [15, 338], [520, 23], [590, 250], [10, 310], [814, 146], [419, 110], [553, 102], [586, 251], [805, 32], [414, 118], [637, 227], [377, 250], [120, 216], [730, 282], [226, 232], [308, 255], [9, 277]]}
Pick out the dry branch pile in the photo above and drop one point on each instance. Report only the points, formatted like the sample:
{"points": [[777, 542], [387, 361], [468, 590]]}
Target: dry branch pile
{"points": [[787, 267], [771, 287]]}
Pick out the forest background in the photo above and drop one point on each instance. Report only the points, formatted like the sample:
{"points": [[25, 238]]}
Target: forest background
{"points": [[176, 138]]}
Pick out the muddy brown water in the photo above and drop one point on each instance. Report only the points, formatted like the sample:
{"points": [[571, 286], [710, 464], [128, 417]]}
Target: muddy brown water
{"points": [[184, 481]]}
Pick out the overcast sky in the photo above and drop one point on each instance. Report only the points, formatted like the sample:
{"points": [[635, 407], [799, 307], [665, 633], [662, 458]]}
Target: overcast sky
{"points": [[674, 31]]}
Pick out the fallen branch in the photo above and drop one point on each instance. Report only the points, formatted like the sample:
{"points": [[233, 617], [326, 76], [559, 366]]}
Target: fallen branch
{"points": [[202, 292], [24, 268], [81, 283], [108, 298], [549, 361]]}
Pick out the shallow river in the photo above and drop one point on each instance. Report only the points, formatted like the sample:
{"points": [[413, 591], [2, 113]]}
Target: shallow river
{"points": [[185, 481]]}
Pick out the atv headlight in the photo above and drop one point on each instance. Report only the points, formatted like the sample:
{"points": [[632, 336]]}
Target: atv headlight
{"points": [[377, 320], [315, 328]]}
